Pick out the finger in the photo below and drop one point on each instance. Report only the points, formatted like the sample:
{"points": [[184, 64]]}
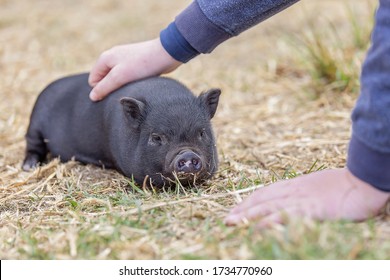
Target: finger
{"points": [[305, 210], [101, 68], [112, 81], [97, 74], [257, 211], [292, 187], [278, 190], [299, 206], [278, 218]]}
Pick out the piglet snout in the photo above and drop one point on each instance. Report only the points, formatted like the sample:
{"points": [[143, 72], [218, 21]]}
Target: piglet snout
{"points": [[187, 162]]}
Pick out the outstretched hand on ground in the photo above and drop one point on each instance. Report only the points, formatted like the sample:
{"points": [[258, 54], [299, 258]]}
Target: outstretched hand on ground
{"points": [[126, 63], [324, 195]]}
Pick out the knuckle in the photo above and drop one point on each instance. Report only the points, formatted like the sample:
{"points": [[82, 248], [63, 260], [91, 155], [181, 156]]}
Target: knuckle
{"points": [[105, 54], [109, 53]]}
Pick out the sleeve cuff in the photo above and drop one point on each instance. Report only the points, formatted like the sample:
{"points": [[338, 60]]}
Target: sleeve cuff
{"points": [[202, 34], [176, 45], [369, 165], [191, 34]]}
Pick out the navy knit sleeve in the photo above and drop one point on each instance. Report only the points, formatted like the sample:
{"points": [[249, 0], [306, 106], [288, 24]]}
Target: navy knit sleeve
{"points": [[205, 24], [369, 149]]}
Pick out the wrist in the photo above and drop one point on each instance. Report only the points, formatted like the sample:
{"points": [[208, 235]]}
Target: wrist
{"points": [[374, 198], [166, 59]]}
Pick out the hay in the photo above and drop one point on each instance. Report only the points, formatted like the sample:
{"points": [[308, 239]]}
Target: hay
{"points": [[267, 123]]}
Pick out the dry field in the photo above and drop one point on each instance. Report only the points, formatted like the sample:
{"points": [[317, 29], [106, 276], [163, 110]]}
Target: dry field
{"points": [[288, 86]]}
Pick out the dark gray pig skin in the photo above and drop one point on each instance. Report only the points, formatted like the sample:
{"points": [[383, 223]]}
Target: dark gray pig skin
{"points": [[155, 128]]}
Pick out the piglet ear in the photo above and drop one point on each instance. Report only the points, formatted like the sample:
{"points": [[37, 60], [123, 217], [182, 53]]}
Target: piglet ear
{"points": [[133, 109], [210, 99]]}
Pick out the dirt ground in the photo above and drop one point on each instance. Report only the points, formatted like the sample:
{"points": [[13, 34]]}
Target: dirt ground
{"points": [[274, 121]]}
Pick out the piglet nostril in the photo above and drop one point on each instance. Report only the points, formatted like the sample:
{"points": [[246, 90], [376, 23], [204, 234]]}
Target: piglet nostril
{"points": [[181, 163], [197, 164]]}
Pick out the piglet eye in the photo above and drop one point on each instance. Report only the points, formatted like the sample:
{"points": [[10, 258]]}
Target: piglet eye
{"points": [[202, 133], [155, 139]]}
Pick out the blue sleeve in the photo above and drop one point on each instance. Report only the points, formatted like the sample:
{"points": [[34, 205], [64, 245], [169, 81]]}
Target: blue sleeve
{"points": [[205, 24], [369, 149]]}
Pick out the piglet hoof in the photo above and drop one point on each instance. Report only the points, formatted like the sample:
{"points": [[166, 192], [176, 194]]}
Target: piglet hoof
{"points": [[30, 162]]}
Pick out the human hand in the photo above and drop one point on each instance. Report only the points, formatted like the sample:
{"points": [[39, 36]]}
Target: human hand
{"points": [[323, 195], [126, 63]]}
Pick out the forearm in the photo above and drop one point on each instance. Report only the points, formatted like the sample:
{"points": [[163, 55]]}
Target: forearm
{"points": [[204, 24], [369, 150]]}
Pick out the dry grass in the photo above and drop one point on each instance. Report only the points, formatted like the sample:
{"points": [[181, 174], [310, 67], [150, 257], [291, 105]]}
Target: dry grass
{"points": [[273, 122]]}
